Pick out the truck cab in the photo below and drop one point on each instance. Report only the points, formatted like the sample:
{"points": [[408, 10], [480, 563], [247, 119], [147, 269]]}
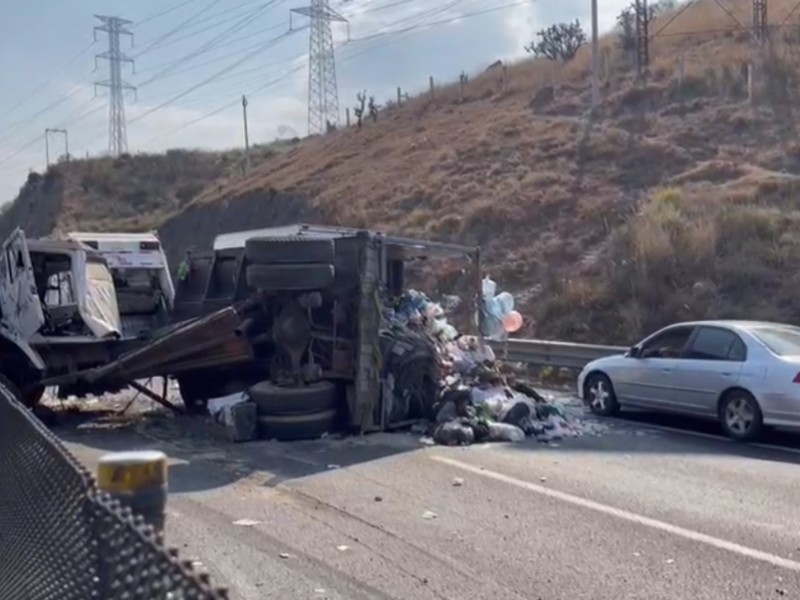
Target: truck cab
{"points": [[139, 269], [58, 311]]}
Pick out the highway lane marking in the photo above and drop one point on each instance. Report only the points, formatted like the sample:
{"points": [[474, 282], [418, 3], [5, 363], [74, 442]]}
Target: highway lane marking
{"points": [[689, 534], [700, 434]]}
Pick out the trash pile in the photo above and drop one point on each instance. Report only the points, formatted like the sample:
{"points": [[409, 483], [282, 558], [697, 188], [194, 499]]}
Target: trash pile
{"points": [[455, 382]]}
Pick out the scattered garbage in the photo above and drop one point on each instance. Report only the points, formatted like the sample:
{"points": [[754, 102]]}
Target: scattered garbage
{"points": [[458, 482], [283, 555], [237, 414], [455, 381], [343, 548], [429, 515], [246, 522]]}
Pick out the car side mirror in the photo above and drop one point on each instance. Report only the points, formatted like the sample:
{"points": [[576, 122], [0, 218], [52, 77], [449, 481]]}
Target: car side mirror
{"points": [[635, 352]]}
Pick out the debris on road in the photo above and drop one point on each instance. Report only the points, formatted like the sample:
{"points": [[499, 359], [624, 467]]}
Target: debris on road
{"points": [[283, 555], [246, 523], [458, 482], [343, 548], [455, 381], [429, 515]]}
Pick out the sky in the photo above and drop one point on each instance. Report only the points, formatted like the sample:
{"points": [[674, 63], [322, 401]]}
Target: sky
{"points": [[193, 60]]}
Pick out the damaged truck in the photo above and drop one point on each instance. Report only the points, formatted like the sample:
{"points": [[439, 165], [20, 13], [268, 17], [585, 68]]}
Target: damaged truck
{"points": [[297, 316], [61, 311]]}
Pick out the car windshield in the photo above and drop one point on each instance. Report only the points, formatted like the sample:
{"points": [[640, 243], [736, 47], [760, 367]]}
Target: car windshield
{"points": [[783, 341]]}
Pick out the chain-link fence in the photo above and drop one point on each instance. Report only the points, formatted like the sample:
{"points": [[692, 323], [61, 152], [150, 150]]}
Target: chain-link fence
{"points": [[62, 539]]}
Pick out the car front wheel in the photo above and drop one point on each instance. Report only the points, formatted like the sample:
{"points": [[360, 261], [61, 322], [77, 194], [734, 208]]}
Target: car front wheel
{"points": [[599, 396]]}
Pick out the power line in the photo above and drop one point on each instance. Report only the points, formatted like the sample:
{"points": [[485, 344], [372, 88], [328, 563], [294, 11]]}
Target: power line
{"points": [[210, 44], [222, 56], [160, 14], [162, 42], [245, 58], [46, 83], [58, 101], [377, 36], [176, 29]]}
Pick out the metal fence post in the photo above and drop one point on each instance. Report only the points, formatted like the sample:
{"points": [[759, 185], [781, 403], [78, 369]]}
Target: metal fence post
{"points": [[138, 479]]}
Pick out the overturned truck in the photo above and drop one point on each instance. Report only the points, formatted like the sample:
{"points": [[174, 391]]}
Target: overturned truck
{"points": [[295, 315]]}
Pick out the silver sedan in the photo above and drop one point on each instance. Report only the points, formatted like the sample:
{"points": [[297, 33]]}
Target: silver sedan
{"points": [[746, 374]]}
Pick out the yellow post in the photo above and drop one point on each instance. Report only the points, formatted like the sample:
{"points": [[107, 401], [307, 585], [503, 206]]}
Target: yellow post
{"points": [[138, 479]]}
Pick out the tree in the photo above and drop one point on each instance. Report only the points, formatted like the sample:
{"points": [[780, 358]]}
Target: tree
{"points": [[626, 22], [359, 109], [559, 42]]}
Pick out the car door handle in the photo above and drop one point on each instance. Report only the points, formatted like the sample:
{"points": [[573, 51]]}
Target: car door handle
{"points": [[665, 370]]}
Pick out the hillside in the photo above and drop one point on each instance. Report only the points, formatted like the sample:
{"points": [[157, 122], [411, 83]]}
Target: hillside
{"points": [[677, 201]]}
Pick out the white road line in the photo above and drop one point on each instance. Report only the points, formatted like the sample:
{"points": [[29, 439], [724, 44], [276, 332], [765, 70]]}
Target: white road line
{"points": [[700, 434], [619, 513]]}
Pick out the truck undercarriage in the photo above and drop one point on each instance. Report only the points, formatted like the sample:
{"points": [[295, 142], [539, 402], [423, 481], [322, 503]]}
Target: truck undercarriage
{"points": [[296, 317]]}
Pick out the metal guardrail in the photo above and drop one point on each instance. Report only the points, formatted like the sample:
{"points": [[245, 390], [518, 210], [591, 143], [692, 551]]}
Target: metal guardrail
{"points": [[550, 353], [61, 538]]}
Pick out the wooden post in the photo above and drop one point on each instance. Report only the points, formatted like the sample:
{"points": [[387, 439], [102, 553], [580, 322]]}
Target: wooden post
{"points": [[399, 96], [431, 83], [347, 115], [606, 56], [749, 71]]}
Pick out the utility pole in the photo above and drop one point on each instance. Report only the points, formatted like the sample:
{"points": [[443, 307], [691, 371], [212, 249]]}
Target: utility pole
{"points": [[323, 94], [117, 128], [642, 36], [760, 23], [47, 133], [246, 137], [595, 58]]}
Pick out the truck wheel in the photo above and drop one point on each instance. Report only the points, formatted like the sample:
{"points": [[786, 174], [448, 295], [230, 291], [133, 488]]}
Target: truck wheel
{"points": [[287, 428], [288, 250], [302, 277], [274, 400]]}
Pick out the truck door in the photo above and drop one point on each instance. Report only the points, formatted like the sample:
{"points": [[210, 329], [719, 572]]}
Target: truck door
{"points": [[22, 310]]}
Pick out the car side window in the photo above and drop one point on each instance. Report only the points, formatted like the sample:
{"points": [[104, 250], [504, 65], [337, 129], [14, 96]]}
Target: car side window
{"points": [[715, 343], [667, 344]]}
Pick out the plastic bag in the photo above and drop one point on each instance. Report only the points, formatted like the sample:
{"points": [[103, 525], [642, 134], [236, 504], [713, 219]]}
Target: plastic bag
{"points": [[505, 432]]}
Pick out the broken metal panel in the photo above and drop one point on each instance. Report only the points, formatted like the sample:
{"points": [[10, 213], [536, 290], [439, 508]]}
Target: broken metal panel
{"points": [[200, 339], [21, 307]]}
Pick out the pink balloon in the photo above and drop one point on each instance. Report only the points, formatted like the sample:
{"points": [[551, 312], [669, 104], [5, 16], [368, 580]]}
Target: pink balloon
{"points": [[512, 321]]}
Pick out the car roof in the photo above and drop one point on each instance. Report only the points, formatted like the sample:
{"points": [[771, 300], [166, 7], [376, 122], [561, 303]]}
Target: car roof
{"points": [[734, 324]]}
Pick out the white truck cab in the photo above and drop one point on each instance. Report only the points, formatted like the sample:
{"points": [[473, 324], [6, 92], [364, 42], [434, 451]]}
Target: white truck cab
{"points": [[56, 288], [144, 289]]}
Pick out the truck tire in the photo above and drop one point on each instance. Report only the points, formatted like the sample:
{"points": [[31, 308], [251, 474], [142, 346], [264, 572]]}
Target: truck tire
{"points": [[297, 427], [288, 250], [290, 278], [275, 400]]}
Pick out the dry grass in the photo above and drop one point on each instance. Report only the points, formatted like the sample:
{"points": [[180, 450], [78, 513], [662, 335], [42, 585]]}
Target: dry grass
{"points": [[680, 201]]}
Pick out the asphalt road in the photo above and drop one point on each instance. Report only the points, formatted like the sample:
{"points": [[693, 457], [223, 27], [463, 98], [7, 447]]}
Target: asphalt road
{"points": [[635, 512]]}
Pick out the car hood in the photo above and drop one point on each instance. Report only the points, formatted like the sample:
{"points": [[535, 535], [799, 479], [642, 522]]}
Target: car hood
{"points": [[607, 362]]}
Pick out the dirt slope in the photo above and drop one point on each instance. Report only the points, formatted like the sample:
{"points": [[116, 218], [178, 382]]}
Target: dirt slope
{"points": [[678, 201]]}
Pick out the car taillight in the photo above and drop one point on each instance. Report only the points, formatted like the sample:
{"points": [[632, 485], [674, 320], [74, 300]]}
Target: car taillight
{"points": [[796, 378]]}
